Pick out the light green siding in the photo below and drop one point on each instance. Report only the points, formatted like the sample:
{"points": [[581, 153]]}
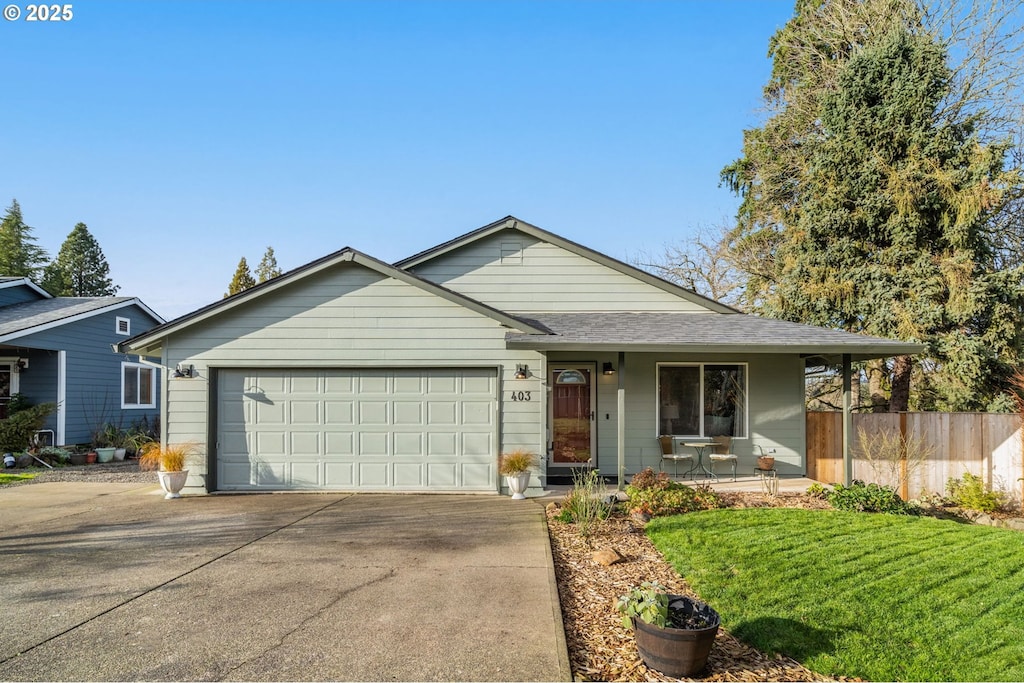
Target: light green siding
{"points": [[776, 409], [516, 272], [345, 317]]}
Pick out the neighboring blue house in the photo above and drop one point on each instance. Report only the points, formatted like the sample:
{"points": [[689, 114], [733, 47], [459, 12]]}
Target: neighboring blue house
{"points": [[60, 350]]}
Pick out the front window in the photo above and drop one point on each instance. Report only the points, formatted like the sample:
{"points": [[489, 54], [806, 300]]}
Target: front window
{"points": [[702, 400], [138, 390]]}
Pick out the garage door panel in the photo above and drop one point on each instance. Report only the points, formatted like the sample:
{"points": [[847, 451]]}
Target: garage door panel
{"points": [[409, 445], [409, 476], [374, 475], [373, 412], [408, 413], [340, 443], [305, 475], [340, 412], [304, 412], [357, 429]]}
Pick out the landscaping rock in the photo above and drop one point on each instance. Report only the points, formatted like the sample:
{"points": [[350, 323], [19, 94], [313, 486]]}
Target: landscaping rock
{"points": [[25, 460], [551, 508], [607, 557], [1015, 523]]}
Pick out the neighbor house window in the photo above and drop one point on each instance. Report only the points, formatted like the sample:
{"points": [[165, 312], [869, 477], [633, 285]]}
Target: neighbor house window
{"points": [[138, 388], [702, 399], [123, 325]]}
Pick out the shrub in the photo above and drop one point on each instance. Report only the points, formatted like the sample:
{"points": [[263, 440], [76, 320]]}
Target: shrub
{"points": [[861, 497], [659, 495], [971, 493], [816, 490], [17, 430], [585, 504]]}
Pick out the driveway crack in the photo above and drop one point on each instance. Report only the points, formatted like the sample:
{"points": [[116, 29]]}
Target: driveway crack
{"points": [[302, 624], [173, 579]]}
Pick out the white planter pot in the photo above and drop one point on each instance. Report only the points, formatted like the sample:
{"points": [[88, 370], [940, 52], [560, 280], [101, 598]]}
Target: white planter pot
{"points": [[119, 453], [172, 482], [517, 484]]}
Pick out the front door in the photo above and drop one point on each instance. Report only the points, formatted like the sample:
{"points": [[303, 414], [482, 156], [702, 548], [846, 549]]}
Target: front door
{"points": [[8, 385], [572, 414]]}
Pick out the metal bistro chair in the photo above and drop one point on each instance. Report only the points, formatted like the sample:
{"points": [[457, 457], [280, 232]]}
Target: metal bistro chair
{"points": [[668, 452], [723, 445]]}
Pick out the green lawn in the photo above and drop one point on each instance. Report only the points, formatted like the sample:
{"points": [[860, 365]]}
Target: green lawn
{"points": [[6, 478], [880, 597]]}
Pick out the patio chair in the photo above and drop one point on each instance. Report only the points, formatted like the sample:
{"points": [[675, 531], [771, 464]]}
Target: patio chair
{"points": [[723, 445], [668, 452]]}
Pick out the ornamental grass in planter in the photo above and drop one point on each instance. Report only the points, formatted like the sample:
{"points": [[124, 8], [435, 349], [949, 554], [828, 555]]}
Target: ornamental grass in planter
{"points": [[515, 467], [169, 461]]}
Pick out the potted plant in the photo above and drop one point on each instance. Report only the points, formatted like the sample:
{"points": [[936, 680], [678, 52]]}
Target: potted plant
{"points": [[169, 461], [515, 467], [765, 462], [674, 633]]}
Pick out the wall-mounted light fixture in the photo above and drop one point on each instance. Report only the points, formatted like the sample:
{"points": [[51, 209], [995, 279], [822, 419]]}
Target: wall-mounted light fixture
{"points": [[522, 371], [184, 370], [608, 368], [21, 365]]}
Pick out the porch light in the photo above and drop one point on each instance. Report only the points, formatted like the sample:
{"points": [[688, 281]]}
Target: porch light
{"points": [[21, 365], [522, 371], [184, 370], [607, 368]]}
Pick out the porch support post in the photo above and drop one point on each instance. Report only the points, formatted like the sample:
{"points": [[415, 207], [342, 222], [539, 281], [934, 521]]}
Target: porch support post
{"points": [[620, 417], [847, 420], [60, 437]]}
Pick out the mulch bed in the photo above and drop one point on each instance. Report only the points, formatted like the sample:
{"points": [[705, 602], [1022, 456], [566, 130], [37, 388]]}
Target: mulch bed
{"points": [[600, 647]]}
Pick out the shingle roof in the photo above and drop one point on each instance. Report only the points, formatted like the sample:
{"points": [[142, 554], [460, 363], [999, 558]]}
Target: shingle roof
{"points": [[699, 332], [25, 316]]}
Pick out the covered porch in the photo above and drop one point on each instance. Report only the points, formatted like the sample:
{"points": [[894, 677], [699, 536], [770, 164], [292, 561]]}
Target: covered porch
{"points": [[614, 382]]}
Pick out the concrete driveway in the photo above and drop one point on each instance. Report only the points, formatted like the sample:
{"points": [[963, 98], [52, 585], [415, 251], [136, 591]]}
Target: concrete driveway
{"points": [[111, 582]]}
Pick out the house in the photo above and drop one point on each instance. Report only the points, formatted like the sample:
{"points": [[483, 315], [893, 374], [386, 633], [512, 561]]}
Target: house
{"points": [[59, 350], [352, 374]]}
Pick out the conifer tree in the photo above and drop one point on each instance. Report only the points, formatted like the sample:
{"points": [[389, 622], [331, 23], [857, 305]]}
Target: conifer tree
{"points": [[868, 202], [20, 256], [242, 279], [267, 268], [80, 268]]}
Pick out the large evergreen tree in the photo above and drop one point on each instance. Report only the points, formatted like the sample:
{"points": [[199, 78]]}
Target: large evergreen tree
{"points": [[80, 268], [869, 211], [20, 256], [242, 279], [267, 268]]}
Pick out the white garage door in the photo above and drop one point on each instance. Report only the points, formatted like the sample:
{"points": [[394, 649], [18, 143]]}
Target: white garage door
{"points": [[357, 429]]}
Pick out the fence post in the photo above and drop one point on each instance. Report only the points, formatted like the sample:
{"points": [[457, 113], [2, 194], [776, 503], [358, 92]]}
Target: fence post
{"points": [[847, 421], [904, 474]]}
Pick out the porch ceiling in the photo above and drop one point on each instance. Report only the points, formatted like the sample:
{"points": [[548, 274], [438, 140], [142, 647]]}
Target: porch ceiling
{"points": [[700, 333]]}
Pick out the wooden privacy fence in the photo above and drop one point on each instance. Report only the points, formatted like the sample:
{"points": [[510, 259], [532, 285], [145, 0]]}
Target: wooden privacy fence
{"points": [[987, 445]]}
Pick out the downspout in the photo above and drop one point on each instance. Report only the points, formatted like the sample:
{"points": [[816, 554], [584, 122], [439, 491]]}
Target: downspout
{"points": [[847, 420], [621, 421]]}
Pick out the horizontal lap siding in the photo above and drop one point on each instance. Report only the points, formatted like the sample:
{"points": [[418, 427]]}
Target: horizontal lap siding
{"points": [[93, 372], [346, 317], [545, 278]]}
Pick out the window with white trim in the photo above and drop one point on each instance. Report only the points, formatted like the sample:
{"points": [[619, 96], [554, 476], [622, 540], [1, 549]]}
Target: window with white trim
{"points": [[702, 399], [138, 386], [123, 325]]}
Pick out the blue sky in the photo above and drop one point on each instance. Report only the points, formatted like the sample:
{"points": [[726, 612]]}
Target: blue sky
{"points": [[189, 134]]}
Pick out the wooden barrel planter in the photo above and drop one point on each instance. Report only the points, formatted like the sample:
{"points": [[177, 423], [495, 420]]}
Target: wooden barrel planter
{"points": [[678, 652]]}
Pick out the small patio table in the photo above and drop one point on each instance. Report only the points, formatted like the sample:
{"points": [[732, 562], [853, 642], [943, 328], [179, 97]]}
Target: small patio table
{"points": [[769, 481], [700, 447]]}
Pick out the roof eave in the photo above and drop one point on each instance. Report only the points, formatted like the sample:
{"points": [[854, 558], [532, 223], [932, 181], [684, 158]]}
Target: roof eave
{"points": [[827, 352]]}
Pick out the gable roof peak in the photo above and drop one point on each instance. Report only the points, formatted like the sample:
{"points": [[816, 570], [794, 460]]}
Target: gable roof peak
{"points": [[513, 223]]}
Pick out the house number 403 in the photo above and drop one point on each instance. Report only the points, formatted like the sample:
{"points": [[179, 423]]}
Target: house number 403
{"points": [[521, 396]]}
